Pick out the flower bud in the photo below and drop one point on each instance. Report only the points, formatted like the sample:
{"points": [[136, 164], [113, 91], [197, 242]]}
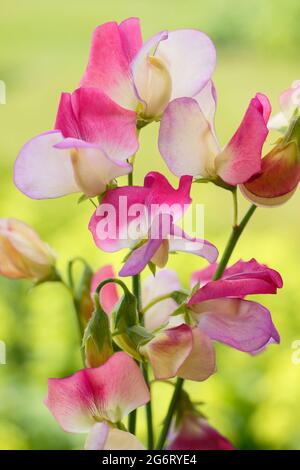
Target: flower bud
{"points": [[23, 255]]}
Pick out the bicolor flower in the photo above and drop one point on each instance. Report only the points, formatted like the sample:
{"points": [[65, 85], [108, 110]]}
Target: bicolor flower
{"points": [[92, 140], [95, 401], [189, 146], [194, 433], [23, 254], [279, 176], [146, 77], [218, 312], [143, 218]]}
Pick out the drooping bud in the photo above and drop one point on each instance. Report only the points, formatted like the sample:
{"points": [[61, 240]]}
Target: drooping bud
{"points": [[23, 255]]}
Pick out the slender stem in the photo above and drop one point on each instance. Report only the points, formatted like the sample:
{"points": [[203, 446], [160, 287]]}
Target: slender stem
{"points": [[237, 231], [149, 416], [168, 419], [235, 207], [154, 302]]}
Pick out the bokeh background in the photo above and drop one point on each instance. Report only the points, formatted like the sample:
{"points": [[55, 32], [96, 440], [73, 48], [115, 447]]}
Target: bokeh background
{"points": [[254, 401]]}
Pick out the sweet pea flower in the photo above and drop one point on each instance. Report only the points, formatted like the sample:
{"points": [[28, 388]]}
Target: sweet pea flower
{"points": [[92, 140], [143, 218], [279, 176], [146, 77], [95, 401], [189, 146], [218, 312], [194, 433], [23, 255]]}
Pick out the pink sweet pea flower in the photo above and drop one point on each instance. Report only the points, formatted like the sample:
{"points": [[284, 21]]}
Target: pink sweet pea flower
{"points": [[194, 433], [221, 314], [145, 77], [23, 255], [188, 143], [94, 401], [279, 176], [92, 140], [142, 218], [109, 296]]}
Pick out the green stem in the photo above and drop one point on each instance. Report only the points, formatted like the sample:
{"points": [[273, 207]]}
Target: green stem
{"points": [[168, 419], [237, 231], [149, 416], [155, 301]]}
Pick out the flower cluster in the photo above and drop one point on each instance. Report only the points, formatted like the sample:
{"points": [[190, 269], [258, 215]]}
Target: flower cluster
{"points": [[167, 330]]}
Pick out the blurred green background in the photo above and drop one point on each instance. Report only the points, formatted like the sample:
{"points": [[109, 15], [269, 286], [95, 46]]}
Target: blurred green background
{"points": [[254, 401]]}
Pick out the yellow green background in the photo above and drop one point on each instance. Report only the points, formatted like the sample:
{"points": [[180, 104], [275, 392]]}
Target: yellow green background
{"points": [[43, 50]]}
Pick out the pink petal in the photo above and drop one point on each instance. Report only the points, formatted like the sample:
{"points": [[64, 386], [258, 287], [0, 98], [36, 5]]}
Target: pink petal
{"points": [[168, 350], [278, 180], [91, 116], [241, 324], [186, 139], [164, 282], [131, 36], [181, 241], [109, 296], [191, 58], [194, 433], [108, 66], [241, 158], [109, 392], [124, 204], [201, 363], [243, 278], [41, 171]]}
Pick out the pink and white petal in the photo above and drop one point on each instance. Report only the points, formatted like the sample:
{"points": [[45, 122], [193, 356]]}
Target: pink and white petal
{"points": [[289, 100], [186, 141], [190, 57], [41, 171], [97, 437], [278, 122], [168, 350], [164, 282], [71, 402], [131, 37], [241, 158], [207, 100], [181, 241], [93, 117], [109, 296], [201, 363], [140, 66], [241, 324], [122, 440], [203, 276], [118, 387], [108, 66]]}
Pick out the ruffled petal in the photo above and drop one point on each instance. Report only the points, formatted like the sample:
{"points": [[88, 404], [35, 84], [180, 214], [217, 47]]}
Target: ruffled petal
{"points": [[168, 350], [42, 171], [186, 140], [201, 362], [241, 324], [181, 241], [108, 67], [241, 158]]}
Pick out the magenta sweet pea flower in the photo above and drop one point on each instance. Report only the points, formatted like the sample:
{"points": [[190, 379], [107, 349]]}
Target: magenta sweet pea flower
{"points": [[145, 77], [279, 176], [194, 433], [143, 218], [94, 401], [188, 142], [92, 140], [222, 313]]}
